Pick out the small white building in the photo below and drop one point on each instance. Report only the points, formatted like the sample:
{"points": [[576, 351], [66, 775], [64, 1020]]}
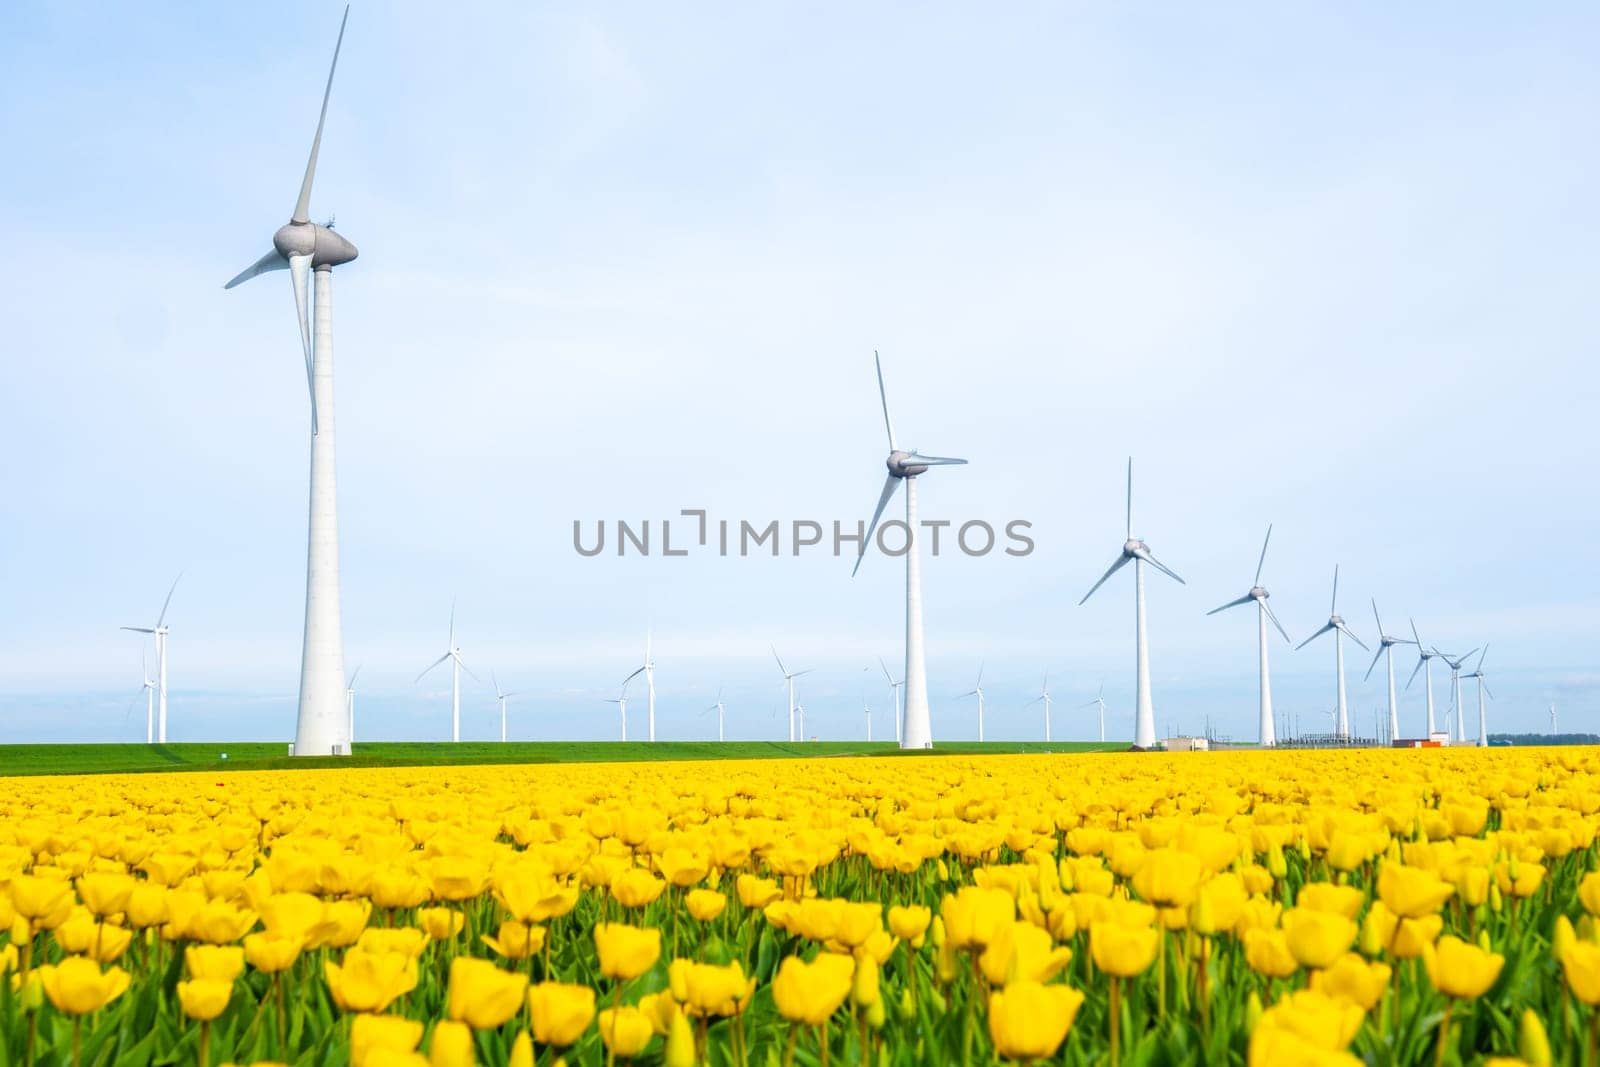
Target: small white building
{"points": [[1186, 744]]}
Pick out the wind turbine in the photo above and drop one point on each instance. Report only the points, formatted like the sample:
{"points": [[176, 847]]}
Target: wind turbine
{"points": [[1144, 733], [304, 248], [502, 697], [1424, 663], [1386, 649], [977, 691], [1340, 631], [453, 654], [1483, 687], [1266, 729], [1100, 702], [904, 466], [800, 713], [1455, 664], [149, 692], [649, 672], [1553, 727], [866, 709], [717, 707], [788, 679], [159, 631], [350, 707], [1044, 696], [894, 686], [621, 701]]}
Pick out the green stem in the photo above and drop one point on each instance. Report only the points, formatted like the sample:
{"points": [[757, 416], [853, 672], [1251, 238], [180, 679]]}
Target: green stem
{"points": [[1116, 1016], [205, 1043], [788, 1048], [1444, 1034], [77, 1039]]}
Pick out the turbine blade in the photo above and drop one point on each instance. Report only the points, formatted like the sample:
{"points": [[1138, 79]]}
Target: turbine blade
{"points": [[808, 670], [496, 682], [886, 675], [883, 395], [353, 678], [781, 667], [1486, 689], [302, 206], [430, 667], [1351, 634], [1114, 568], [1144, 554], [137, 629], [980, 674], [1313, 637], [1376, 619], [1232, 604], [1334, 609], [1415, 671], [632, 676], [1481, 657], [1130, 498], [968, 693], [1375, 657], [163, 616], [273, 260], [299, 272], [1268, 609], [1418, 641], [468, 669], [889, 485], [452, 623], [936, 461], [1263, 561]]}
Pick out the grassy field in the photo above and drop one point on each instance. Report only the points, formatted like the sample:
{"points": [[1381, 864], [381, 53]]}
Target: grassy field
{"points": [[258, 755]]}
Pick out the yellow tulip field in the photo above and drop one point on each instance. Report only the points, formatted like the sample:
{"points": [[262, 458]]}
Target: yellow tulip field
{"points": [[1264, 908]]}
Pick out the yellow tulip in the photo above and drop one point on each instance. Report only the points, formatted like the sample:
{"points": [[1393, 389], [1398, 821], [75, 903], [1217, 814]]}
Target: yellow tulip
{"points": [[105, 893], [521, 1051], [1335, 899], [481, 994], [1028, 1021], [1317, 938], [516, 940], [369, 981], [625, 1031], [147, 906], [705, 904], [77, 986], [271, 953], [1412, 937], [973, 915], [1325, 1022], [1532, 1043], [1461, 970], [757, 892], [1168, 878], [1580, 964], [390, 1033], [680, 1044], [204, 998], [636, 888], [406, 940], [660, 1008], [533, 896], [82, 935], [1589, 892], [1121, 950], [1353, 978], [451, 1045], [811, 992], [1267, 953], [292, 915], [1021, 952], [909, 923], [708, 989], [441, 923], [1411, 892], [221, 963], [560, 1012], [626, 951]]}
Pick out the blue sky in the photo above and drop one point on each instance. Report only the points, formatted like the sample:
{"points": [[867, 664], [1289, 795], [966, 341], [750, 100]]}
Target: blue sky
{"points": [[1323, 265]]}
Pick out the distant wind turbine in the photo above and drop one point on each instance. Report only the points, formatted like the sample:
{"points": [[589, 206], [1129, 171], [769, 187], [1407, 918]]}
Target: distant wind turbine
{"points": [[1386, 649], [160, 631], [1336, 626], [1144, 733], [453, 654], [350, 706], [1266, 732], [1099, 702], [1483, 687], [895, 687], [1456, 663], [718, 708], [621, 701], [148, 691], [502, 697], [788, 680], [1553, 728], [977, 691], [905, 467], [648, 669], [1044, 696], [1425, 664]]}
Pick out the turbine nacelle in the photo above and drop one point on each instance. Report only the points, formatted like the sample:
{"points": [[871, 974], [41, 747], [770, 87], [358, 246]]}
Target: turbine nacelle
{"points": [[325, 247], [903, 464], [1258, 592]]}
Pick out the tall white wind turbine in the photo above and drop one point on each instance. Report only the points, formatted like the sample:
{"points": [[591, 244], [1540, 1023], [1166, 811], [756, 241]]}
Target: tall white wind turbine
{"points": [[1455, 664], [1044, 697], [1483, 687], [1386, 650], [1336, 625], [648, 669], [1553, 728], [917, 730], [1425, 657], [718, 708], [1144, 732], [788, 680], [621, 701], [502, 696], [350, 706], [1099, 702], [304, 248], [894, 687], [1266, 732], [149, 691], [159, 631], [977, 691], [453, 654]]}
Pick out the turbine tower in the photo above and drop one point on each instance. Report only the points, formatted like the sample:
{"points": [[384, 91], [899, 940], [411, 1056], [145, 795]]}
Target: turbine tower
{"points": [[866, 709], [159, 631], [453, 654], [150, 701], [350, 707], [1044, 695], [894, 687], [1456, 663], [621, 701], [788, 680], [1483, 687], [1099, 702], [649, 672], [1386, 649], [916, 731], [976, 691], [1144, 732], [1340, 631], [1553, 727], [502, 697], [1425, 664], [1266, 731], [717, 707], [303, 248]]}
